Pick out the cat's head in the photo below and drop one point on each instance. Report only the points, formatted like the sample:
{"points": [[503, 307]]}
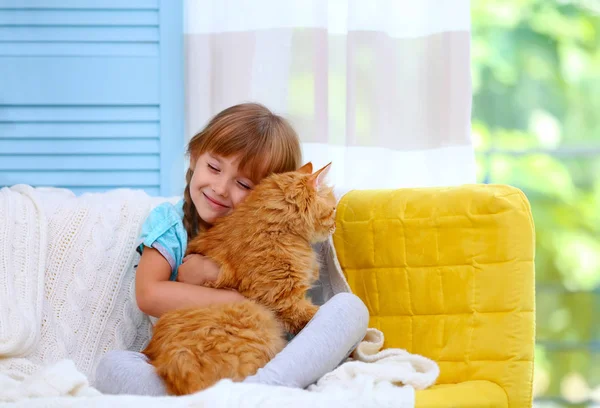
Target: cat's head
{"points": [[310, 201]]}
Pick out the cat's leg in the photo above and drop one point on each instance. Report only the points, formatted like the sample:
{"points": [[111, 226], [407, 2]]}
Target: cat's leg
{"points": [[325, 342], [296, 315], [127, 372]]}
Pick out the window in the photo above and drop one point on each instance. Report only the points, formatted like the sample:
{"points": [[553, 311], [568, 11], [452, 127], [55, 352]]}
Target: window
{"points": [[536, 125]]}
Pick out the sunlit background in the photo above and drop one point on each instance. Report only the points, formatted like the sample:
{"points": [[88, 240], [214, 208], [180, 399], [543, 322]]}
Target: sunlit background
{"points": [[536, 125]]}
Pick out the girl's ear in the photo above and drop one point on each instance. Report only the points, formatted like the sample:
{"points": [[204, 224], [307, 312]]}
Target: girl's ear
{"points": [[318, 176], [306, 169]]}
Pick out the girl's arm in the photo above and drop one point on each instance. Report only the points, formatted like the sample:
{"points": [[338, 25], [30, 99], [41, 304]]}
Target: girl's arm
{"points": [[156, 294]]}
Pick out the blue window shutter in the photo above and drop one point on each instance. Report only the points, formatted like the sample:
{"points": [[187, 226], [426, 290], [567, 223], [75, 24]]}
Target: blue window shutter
{"points": [[91, 94]]}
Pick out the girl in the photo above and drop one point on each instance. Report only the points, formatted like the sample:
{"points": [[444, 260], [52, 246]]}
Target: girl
{"points": [[240, 146]]}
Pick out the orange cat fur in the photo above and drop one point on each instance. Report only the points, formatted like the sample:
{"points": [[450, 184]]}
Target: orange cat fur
{"points": [[264, 249]]}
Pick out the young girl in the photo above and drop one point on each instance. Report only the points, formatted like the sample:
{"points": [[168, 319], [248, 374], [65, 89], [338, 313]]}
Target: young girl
{"points": [[240, 146]]}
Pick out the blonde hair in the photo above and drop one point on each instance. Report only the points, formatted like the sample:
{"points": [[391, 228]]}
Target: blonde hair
{"points": [[265, 142]]}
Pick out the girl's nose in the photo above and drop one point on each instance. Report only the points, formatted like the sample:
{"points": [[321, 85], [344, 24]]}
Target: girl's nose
{"points": [[220, 187]]}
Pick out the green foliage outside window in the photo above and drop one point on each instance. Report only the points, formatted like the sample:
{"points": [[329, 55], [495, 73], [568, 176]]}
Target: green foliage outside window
{"points": [[536, 125]]}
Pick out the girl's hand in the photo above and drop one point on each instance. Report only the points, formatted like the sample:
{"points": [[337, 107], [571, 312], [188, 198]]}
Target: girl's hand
{"points": [[197, 270]]}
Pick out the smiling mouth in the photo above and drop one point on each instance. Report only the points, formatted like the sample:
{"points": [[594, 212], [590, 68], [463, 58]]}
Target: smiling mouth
{"points": [[215, 202]]}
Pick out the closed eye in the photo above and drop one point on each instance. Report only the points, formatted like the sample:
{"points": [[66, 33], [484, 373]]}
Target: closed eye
{"points": [[244, 186], [213, 168]]}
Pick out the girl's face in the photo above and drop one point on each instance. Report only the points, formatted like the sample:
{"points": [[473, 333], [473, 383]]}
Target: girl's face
{"points": [[217, 186]]}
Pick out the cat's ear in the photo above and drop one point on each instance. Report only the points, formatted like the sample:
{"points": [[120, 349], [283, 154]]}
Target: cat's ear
{"points": [[318, 176], [306, 169]]}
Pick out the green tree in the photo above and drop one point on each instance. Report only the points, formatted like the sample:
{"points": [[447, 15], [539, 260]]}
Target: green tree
{"points": [[536, 125]]}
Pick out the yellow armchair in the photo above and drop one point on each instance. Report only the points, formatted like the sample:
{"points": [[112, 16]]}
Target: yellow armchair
{"points": [[448, 273]]}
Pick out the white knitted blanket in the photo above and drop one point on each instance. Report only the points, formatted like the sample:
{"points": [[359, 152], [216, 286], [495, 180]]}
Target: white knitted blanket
{"points": [[67, 297]]}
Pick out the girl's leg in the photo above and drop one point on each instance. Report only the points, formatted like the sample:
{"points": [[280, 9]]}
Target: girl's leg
{"points": [[325, 342], [127, 372]]}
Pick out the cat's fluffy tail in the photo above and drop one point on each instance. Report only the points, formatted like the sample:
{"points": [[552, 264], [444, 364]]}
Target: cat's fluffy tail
{"points": [[192, 349], [185, 374]]}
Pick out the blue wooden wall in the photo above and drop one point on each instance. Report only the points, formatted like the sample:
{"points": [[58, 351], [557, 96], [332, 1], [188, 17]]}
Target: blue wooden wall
{"points": [[91, 94]]}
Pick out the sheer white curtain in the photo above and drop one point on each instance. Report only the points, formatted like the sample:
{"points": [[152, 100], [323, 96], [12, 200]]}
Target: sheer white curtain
{"points": [[380, 87]]}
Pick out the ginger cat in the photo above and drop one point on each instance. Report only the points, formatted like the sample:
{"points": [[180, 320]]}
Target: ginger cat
{"points": [[264, 250]]}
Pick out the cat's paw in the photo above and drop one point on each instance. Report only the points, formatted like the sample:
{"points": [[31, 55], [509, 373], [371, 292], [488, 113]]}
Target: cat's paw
{"points": [[298, 316]]}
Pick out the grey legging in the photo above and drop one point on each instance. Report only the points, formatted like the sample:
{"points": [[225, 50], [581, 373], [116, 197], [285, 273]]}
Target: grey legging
{"points": [[326, 341]]}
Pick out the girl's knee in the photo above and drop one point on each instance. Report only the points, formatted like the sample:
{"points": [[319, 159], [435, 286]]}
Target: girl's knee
{"points": [[352, 306], [116, 359], [127, 372], [108, 361]]}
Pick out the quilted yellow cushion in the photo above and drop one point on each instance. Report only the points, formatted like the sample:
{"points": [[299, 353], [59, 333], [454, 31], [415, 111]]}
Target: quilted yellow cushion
{"points": [[448, 273]]}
